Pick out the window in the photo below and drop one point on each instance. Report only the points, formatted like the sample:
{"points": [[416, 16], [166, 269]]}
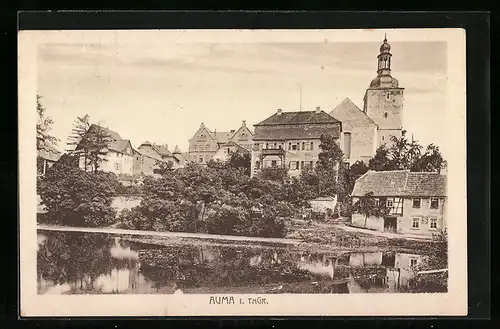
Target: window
{"points": [[257, 146], [433, 223], [310, 164], [280, 146], [388, 96], [413, 262], [117, 166], [416, 203], [434, 203], [415, 223], [307, 146], [389, 203], [201, 159], [383, 137], [376, 201], [289, 146], [273, 163], [301, 164], [294, 165], [385, 115], [294, 147]]}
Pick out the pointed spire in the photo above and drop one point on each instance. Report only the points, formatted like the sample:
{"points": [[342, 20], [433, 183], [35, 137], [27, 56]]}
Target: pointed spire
{"points": [[385, 37]]}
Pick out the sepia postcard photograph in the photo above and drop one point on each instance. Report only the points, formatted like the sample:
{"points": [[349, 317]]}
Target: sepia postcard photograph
{"points": [[242, 172]]}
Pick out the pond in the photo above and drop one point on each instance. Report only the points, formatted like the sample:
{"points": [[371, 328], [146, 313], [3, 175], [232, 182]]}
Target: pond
{"points": [[90, 263]]}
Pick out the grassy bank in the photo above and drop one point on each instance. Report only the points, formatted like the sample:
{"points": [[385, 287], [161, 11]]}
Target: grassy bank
{"points": [[330, 235]]}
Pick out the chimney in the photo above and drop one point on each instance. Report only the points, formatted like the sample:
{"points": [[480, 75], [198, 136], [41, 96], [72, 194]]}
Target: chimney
{"points": [[244, 123], [202, 125], [318, 109], [279, 111]]}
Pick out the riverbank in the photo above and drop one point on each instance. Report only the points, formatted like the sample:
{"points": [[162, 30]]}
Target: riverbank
{"points": [[301, 234]]}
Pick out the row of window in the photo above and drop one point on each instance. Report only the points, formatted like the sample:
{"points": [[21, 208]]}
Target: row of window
{"points": [[418, 222], [417, 202], [434, 204], [295, 146], [293, 165]]}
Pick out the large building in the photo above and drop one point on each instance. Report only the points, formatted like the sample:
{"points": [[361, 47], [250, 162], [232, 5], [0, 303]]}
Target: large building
{"points": [[291, 139], [205, 143], [360, 132], [416, 201]]}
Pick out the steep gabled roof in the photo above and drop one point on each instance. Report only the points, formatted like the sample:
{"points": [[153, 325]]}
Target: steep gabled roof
{"points": [[400, 183], [301, 117], [162, 150], [120, 145], [350, 114]]}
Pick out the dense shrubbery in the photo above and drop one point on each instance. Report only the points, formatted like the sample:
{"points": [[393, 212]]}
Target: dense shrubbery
{"points": [[213, 199], [78, 198]]}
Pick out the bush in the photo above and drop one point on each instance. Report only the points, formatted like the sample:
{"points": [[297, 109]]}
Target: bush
{"points": [[77, 198]]}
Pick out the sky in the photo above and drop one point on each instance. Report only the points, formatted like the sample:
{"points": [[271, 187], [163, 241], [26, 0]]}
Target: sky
{"points": [[162, 91]]}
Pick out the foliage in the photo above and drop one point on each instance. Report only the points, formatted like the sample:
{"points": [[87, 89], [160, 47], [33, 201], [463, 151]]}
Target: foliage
{"points": [[327, 169], [368, 206], [80, 128], [164, 168], [43, 126], [276, 174], [77, 198], [437, 259], [241, 160], [356, 170], [94, 144], [407, 155]]}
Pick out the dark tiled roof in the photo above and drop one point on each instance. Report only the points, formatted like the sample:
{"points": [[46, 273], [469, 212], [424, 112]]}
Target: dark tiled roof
{"points": [[350, 114], [162, 150], [287, 118], [401, 183], [308, 131], [119, 146]]}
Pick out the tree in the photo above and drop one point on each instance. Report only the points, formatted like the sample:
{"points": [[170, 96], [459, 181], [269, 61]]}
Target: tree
{"points": [[327, 170], [276, 174], [164, 168], [241, 160], [367, 205], [381, 161], [80, 128], [430, 161], [77, 198], [95, 143], [356, 170], [43, 127], [406, 155]]}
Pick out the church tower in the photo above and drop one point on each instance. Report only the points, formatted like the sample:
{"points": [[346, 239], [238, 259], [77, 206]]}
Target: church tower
{"points": [[383, 101]]}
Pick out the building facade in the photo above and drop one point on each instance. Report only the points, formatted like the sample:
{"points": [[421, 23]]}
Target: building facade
{"points": [[225, 151], [416, 201], [291, 140], [205, 143]]}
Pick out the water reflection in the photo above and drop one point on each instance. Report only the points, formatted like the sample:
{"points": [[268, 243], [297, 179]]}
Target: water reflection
{"points": [[75, 263]]}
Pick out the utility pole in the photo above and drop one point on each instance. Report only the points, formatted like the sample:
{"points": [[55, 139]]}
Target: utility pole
{"points": [[300, 105]]}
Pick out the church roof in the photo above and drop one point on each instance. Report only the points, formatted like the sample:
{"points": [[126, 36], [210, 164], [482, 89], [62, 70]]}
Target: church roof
{"points": [[350, 114], [301, 117]]}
